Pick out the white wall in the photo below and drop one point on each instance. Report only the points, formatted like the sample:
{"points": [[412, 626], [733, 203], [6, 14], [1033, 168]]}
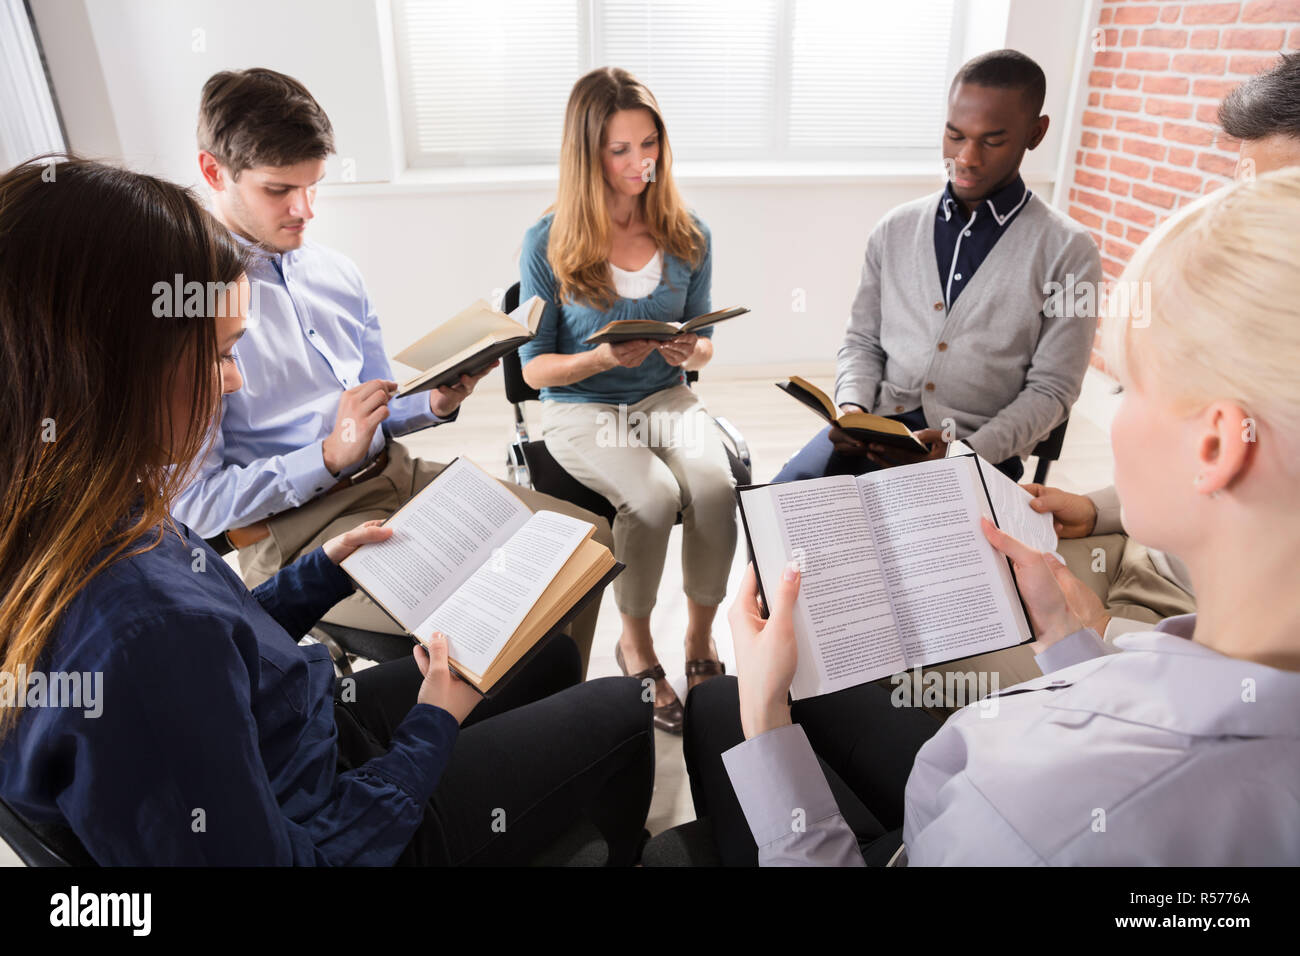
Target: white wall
{"points": [[128, 73]]}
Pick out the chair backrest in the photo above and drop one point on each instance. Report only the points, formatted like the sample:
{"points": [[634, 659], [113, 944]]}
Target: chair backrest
{"points": [[517, 390], [1049, 450], [40, 846]]}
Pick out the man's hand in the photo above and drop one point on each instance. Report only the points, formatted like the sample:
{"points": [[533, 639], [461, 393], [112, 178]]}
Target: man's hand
{"points": [[1073, 516], [766, 653], [440, 686], [341, 546], [678, 349], [361, 409], [887, 456], [843, 442], [447, 398], [624, 354]]}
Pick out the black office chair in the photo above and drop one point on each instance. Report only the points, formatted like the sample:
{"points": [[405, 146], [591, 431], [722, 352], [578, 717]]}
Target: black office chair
{"points": [[1049, 450], [41, 844], [530, 464], [345, 644]]}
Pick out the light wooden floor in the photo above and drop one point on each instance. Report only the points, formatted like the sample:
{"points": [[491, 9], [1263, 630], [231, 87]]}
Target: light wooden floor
{"points": [[775, 427]]}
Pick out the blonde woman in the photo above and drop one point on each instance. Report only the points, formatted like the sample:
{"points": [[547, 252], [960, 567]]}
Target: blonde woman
{"points": [[619, 244], [1175, 746]]}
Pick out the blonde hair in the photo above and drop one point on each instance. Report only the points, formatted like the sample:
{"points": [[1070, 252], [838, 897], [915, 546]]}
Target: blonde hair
{"points": [[1223, 321], [580, 236]]}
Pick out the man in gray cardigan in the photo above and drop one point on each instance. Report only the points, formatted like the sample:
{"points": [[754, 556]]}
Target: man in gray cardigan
{"points": [[965, 324]]}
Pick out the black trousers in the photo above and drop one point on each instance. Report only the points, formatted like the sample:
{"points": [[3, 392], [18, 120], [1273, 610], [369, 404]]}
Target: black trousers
{"points": [[541, 756], [865, 745]]}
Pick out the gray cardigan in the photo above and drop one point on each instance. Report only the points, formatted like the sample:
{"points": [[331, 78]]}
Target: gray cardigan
{"points": [[1001, 364]]}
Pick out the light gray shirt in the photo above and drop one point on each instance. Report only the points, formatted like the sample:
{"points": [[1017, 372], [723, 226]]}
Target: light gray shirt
{"points": [[1006, 362], [1157, 751]]}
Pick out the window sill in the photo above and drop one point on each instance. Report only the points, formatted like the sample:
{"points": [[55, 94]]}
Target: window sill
{"points": [[520, 178]]}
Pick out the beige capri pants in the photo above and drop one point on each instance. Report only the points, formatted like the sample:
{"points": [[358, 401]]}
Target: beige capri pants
{"points": [[652, 459]]}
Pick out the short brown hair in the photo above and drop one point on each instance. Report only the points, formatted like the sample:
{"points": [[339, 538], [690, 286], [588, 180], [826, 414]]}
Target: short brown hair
{"points": [[259, 117]]}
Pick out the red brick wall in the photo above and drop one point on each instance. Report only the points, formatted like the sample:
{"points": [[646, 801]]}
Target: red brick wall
{"points": [[1149, 140]]}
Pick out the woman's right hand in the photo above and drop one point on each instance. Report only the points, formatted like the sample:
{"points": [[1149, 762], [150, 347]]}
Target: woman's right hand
{"points": [[440, 686], [625, 354]]}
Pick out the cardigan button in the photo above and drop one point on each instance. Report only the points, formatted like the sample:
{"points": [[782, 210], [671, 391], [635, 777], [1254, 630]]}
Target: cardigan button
{"points": [[898, 408], [943, 346], [938, 307], [929, 386]]}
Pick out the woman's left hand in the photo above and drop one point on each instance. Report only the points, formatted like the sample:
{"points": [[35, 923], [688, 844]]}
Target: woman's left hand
{"points": [[1039, 577], [678, 349], [338, 548], [766, 652]]}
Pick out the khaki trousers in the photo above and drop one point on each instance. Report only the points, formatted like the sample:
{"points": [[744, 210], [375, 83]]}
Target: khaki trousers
{"points": [[652, 459], [1118, 570], [303, 529]]}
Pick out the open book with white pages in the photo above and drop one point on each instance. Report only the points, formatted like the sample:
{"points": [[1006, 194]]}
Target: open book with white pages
{"points": [[896, 572]]}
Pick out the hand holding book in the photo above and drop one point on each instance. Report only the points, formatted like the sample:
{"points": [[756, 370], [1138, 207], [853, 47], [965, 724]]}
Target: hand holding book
{"points": [[767, 653], [1052, 595], [441, 687]]}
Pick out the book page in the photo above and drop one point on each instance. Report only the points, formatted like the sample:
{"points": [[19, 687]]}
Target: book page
{"points": [[1014, 516], [844, 625], [952, 594], [483, 613], [439, 537], [462, 333]]}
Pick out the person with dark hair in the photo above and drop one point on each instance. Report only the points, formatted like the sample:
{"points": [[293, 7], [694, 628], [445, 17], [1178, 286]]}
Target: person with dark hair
{"points": [[958, 329], [1264, 114], [153, 711], [306, 449]]}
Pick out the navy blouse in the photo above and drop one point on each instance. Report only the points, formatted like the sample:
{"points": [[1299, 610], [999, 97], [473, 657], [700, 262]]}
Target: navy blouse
{"points": [[214, 739]]}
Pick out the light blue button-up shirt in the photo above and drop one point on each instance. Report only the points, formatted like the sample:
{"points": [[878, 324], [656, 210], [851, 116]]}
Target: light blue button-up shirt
{"points": [[312, 333], [1155, 751]]}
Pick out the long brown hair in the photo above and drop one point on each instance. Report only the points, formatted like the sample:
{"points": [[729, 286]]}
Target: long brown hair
{"points": [[87, 371], [578, 248]]}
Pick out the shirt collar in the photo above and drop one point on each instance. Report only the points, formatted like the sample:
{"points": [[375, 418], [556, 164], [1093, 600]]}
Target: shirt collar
{"points": [[1165, 679], [1003, 204]]}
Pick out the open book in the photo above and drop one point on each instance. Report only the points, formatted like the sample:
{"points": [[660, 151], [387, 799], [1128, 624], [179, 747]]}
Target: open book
{"points": [[861, 425], [469, 559], [896, 572], [469, 341], [627, 330]]}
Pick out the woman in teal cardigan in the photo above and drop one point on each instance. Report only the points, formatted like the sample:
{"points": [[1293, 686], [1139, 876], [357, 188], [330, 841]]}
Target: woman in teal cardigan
{"points": [[620, 418]]}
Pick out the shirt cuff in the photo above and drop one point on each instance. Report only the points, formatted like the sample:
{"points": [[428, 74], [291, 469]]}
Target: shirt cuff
{"points": [[411, 413], [1109, 520], [984, 445], [329, 573], [304, 469], [1082, 645], [775, 776], [408, 762], [1124, 625], [852, 394]]}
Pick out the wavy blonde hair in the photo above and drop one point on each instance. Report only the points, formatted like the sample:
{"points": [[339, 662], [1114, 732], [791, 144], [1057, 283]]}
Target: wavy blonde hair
{"points": [[581, 232], [1224, 318]]}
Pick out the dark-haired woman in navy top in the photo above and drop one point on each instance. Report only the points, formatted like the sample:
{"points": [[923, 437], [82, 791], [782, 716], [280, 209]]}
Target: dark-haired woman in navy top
{"points": [[149, 703]]}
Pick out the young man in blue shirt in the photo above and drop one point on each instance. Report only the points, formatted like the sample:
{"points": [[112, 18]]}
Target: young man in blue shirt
{"points": [[305, 450], [953, 331]]}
